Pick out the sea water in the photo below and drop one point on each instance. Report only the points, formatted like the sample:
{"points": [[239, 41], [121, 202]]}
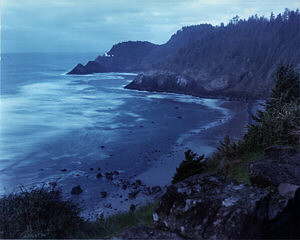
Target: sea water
{"points": [[50, 121]]}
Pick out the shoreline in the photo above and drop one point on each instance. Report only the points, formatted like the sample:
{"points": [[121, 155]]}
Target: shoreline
{"points": [[204, 142], [159, 175]]}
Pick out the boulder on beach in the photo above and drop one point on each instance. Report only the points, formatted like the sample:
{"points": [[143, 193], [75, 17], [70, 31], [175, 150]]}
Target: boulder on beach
{"points": [[109, 175], [103, 194], [133, 194], [99, 175], [76, 190]]}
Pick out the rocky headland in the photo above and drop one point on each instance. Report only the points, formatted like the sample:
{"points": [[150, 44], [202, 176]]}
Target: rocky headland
{"points": [[236, 61]]}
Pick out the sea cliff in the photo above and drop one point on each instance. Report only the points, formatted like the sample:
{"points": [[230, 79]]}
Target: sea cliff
{"points": [[238, 60]]}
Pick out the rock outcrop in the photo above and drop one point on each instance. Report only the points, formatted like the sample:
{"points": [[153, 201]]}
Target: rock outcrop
{"points": [[210, 207], [164, 81], [207, 206], [286, 225], [280, 164], [148, 233]]}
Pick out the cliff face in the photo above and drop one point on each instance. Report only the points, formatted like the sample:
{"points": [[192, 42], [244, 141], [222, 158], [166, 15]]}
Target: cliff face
{"points": [[135, 56], [236, 61], [127, 56]]}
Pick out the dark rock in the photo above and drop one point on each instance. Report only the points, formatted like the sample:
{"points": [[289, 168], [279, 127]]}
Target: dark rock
{"points": [[63, 170], [124, 186], [76, 190], [79, 69], [109, 176], [132, 207], [276, 205], [103, 194], [91, 169], [156, 189], [209, 207], [287, 190], [133, 194], [99, 175], [108, 205], [280, 164], [148, 233], [102, 146], [99, 169], [165, 81], [116, 173], [53, 184], [138, 182], [147, 191], [278, 151], [286, 225]]}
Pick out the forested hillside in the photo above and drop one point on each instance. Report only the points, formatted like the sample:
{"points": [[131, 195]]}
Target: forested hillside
{"points": [[243, 55], [237, 60]]}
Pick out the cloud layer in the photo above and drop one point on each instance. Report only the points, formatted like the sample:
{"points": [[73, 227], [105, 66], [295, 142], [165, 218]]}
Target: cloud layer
{"points": [[95, 25]]}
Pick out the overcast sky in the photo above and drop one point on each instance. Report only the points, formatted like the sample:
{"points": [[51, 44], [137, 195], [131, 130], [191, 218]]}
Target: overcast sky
{"points": [[95, 25]]}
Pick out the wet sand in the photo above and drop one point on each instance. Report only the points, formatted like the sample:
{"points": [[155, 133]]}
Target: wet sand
{"points": [[163, 166], [204, 142]]}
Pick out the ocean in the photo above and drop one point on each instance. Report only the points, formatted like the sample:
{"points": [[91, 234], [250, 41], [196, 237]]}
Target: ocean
{"points": [[51, 121]]}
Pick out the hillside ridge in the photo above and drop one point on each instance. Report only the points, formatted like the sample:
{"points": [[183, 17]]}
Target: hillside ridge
{"points": [[236, 61]]}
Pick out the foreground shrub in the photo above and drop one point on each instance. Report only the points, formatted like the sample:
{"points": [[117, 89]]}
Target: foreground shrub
{"points": [[39, 213], [192, 165]]}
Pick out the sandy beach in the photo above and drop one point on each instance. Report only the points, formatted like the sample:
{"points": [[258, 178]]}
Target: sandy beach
{"points": [[163, 167]]}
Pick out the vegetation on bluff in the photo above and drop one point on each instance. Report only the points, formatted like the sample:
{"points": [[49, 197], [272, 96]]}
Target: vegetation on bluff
{"points": [[192, 165], [278, 124], [41, 213], [235, 60]]}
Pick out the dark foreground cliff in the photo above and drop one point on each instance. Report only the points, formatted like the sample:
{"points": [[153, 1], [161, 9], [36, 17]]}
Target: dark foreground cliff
{"points": [[237, 60], [210, 206]]}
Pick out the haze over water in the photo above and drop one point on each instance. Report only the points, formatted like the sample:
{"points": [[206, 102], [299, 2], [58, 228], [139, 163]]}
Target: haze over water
{"points": [[52, 121]]}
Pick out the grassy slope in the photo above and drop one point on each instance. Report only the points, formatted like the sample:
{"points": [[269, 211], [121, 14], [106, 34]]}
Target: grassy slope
{"points": [[116, 224]]}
